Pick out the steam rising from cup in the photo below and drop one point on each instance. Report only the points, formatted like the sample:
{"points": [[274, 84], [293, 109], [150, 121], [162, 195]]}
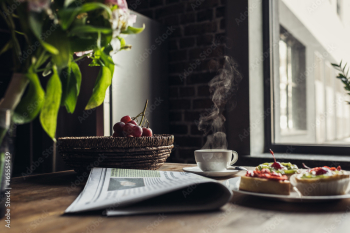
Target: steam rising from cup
{"points": [[222, 88]]}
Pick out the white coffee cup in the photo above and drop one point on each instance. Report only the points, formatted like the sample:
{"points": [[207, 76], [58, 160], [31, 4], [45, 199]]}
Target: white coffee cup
{"points": [[215, 159]]}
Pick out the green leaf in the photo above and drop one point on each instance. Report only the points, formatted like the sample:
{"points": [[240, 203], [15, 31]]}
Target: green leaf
{"points": [[68, 15], [47, 70], [103, 81], [68, 2], [60, 40], [30, 104], [49, 111], [35, 23], [51, 49], [90, 29], [7, 46], [133, 30], [108, 61], [71, 82]]}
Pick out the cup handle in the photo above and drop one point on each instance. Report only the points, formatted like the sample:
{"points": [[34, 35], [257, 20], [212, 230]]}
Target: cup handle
{"points": [[235, 157]]}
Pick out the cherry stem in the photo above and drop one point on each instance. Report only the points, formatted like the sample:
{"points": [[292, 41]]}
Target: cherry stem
{"points": [[273, 155], [143, 113]]}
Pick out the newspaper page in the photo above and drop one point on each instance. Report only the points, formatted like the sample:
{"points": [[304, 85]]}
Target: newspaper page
{"points": [[129, 191]]}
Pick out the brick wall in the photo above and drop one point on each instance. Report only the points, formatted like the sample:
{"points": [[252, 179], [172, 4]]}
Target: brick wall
{"points": [[196, 49]]}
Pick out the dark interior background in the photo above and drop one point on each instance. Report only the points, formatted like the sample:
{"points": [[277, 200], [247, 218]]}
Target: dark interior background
{"points": [[197, 25]]}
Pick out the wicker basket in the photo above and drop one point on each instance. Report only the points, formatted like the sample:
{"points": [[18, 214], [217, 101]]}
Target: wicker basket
{"points": [[83, 153]]}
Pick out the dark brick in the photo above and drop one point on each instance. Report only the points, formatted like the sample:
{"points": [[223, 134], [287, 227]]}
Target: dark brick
{"points": [[187, 42], [173, 92], [220, 12], [195, 131], [188, 18], [189, 141], [172, 45], [197, 29], [186, 91], [198, 5], [171, 20], [199, 78], [222, 24], [203, 91], [192, 116], [205, 40], [212, 64], [154, 3], [209, 3], [207, 52], [178, 129], [178, 67], [180, 104], [177, 32], [138, 5], [186, 154], [175, 116], [202, 103], [148, 13], [178, 55], [205, 15], [170, 10], [175, 80], [172, 1]]}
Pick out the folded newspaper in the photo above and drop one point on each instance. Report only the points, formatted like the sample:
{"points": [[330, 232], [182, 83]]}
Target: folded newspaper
{"points": [[129, 191]]}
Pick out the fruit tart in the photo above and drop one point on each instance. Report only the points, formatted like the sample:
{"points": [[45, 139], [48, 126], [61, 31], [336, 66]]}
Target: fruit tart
{"points": [[287, 169], [321, 181], [265, 181]]}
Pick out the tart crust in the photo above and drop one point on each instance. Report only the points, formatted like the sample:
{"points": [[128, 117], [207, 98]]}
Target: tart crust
{"points": [[259, 185]]}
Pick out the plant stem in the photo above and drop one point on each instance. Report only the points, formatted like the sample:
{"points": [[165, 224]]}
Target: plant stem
{"points": [[85, 55], [14, 91], [143, 113]]}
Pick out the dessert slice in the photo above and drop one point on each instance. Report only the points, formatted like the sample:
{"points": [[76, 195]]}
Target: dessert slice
{"points": [[287, 169], [322, 181], [265, 181]]}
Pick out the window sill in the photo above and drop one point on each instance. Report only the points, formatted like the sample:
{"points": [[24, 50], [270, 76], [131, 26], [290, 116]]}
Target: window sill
{"points": [[298, 159]]}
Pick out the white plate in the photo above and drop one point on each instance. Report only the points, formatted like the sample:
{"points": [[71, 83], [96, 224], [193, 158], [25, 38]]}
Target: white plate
{"points": [[197, 170], [294, 196]]}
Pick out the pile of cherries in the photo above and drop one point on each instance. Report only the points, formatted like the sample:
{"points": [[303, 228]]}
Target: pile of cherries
{"points": [[128, 127]]}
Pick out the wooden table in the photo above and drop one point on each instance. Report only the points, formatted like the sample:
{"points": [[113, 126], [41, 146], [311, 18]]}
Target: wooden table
{"points": [[38, 203]]}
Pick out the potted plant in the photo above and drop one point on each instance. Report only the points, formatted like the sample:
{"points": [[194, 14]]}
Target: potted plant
{"points": [[53, 31]]}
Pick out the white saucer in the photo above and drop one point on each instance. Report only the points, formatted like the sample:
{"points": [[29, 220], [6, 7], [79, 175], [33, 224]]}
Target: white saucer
{"points": [[197, 170]]}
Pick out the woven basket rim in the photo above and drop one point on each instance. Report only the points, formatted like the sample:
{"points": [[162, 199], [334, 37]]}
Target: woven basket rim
{"points": [[112, 138], [107, 142]]}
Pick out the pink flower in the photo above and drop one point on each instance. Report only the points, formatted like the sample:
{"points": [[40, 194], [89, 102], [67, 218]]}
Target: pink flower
{"points": [[131, 20], [120, 3], [37, 5]]}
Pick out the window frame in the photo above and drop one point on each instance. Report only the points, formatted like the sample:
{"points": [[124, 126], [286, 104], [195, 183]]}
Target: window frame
{"points": [[268, 72]]}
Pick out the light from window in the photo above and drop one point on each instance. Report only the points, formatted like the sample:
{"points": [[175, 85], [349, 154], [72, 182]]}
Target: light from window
{"points": [[310, 104]]}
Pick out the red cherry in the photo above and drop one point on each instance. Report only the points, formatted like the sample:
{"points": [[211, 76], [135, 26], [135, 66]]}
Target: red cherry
{"points": [[321, 171], [277, 165], [127, 129], [147, 132], [118, 127], [132, 122], [137, 131], [125, 119], [130, 136]]}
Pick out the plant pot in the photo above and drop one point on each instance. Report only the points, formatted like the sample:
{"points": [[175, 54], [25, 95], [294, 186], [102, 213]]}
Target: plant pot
{"points": [[6, 159]]}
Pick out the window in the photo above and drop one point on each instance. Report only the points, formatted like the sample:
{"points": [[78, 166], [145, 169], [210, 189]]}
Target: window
{"points": [[309, 106]]}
